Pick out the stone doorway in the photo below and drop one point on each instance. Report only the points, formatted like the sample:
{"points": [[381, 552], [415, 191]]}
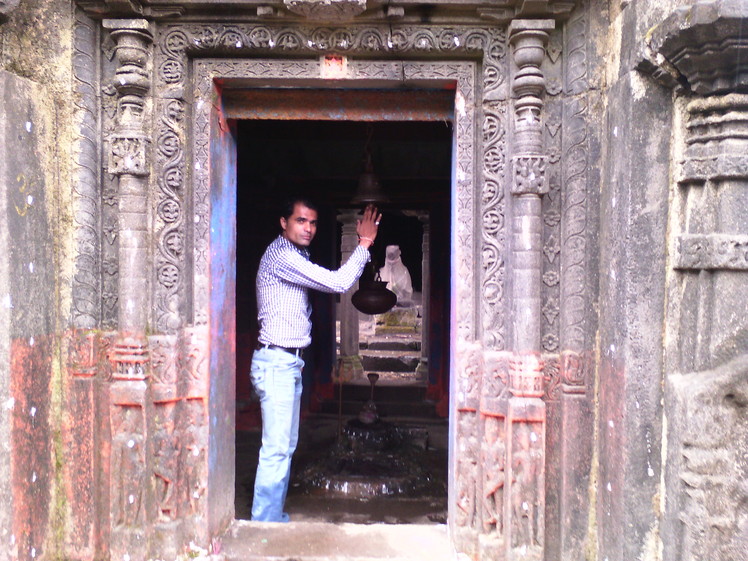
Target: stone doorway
{"points": [[323, 160], [504, 299]]}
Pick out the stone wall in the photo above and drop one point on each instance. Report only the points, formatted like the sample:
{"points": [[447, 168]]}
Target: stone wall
{"points": [[654, 135], [634, 196], [35, 102], [672, 375]]}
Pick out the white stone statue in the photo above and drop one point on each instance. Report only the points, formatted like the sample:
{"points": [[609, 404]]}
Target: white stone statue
{"points": [[397, 276]]}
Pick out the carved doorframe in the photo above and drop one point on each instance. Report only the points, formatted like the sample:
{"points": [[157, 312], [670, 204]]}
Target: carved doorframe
{"points": [[183, 62], [212, 76], [186, 86]]}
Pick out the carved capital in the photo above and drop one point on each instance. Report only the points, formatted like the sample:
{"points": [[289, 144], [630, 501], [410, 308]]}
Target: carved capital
{"points": [[528, 39], [133, 38], [700, 48], [716, 138], [332, 11]]}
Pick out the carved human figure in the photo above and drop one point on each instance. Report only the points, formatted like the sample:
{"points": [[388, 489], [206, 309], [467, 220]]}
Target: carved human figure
{"points": [[525, 471], [164, 361], [195, 477], [128, 465], [470, 377], [165, 467], [195, 369], [397, 276], [467, 470], [494, 461]]}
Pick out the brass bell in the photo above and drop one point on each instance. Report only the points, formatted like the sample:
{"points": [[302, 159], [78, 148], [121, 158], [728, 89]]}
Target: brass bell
{"points": [[373, 296]]}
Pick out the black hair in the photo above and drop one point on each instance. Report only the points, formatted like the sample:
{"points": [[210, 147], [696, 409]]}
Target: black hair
{"points": [[291, 202]]}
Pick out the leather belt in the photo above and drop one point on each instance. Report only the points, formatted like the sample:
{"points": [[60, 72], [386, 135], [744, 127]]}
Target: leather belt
{"points": [[294, 351]]}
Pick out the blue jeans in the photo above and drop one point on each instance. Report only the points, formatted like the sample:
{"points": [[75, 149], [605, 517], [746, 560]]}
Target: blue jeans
{"points": [[276, 376]]}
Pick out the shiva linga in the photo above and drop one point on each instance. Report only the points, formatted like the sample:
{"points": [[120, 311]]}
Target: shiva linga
{"points": [[373, 458]]}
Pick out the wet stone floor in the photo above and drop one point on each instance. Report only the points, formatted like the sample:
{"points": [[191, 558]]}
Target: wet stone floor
{"points": [[426, 446]]}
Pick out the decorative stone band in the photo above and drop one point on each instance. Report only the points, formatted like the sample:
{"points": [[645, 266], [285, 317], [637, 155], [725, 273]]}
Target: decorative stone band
{"points": [[526, 375], [327, 10], [128, 154], [721, 166], [717, 118], [129, 357], [529, 175], [716, 139], [711, 251]]}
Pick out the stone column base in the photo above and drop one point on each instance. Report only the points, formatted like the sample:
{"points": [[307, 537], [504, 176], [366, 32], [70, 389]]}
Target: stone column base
{"points": [[349, 368]]}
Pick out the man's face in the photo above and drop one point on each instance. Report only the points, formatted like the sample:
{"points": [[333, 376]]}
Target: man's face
{"points": [[301, 226]]}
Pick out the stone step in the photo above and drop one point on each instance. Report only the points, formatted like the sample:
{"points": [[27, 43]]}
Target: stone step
{"points": [[316, 541], [390, 361], [404, 400], [391, 344], [388, 388]]}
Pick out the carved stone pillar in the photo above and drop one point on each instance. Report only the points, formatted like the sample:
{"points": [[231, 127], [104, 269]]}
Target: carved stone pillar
{"points": [[349, 365], [129, 161], [422, 370], [709, 378], [699, 51], [129, 394], [524, 499]]}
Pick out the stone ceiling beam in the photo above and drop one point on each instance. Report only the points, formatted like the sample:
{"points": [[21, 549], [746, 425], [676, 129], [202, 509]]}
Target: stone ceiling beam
{"points": [[335, 11]]}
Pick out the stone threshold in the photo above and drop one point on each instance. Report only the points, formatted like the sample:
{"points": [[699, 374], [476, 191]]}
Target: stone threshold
{"points": [[319, 541]]}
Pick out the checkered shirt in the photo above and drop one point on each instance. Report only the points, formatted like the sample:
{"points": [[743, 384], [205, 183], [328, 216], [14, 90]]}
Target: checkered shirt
{"points": [[283, 280]]}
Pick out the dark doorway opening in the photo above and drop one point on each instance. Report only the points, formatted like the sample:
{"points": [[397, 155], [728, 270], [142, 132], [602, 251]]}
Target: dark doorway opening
{"points": [[323, 160]]}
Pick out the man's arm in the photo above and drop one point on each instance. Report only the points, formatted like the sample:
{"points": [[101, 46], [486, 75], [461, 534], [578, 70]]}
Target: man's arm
{"points": [[294, 268]]}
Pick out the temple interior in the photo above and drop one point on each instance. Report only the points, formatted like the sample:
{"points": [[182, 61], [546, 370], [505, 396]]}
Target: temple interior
{"points": [[406, 349]]}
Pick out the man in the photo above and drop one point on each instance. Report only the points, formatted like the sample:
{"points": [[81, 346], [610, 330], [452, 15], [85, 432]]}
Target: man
{"points": [[283, 280]]}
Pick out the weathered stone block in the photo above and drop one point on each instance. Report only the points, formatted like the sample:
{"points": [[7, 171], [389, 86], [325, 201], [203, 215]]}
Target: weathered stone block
{"points": [[27, 306], [634, 210], [707, 476]]}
